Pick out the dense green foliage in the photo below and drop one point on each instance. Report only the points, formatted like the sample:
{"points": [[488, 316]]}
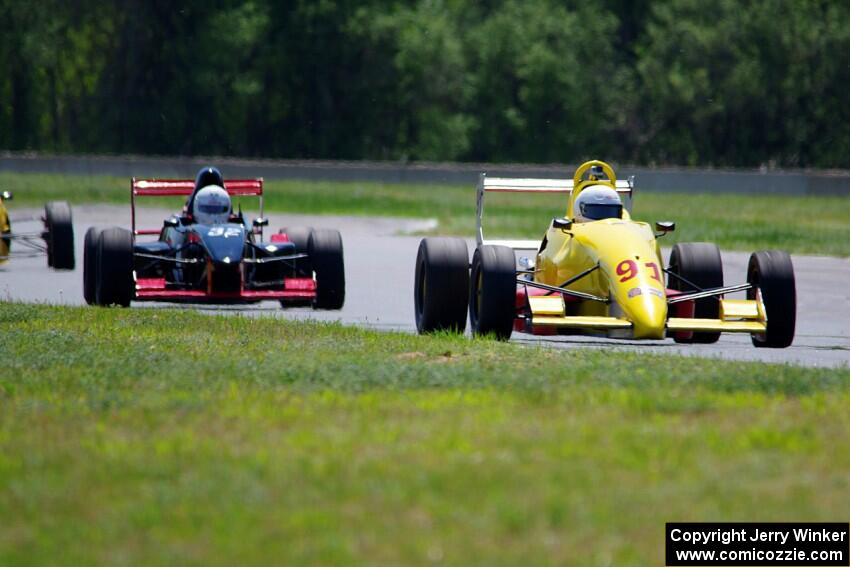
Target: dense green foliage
{"points": [[164, 437], [730, 82]]}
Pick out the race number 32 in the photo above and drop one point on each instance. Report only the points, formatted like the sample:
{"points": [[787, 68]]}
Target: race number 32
{"points": [[627, 269]]}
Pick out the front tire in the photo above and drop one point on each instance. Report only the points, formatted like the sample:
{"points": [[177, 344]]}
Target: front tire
{"points": [[115, 267], [325, 254], [492, 297], [59, 235], [772, 275], [441, 286], [90, 264], [700, 264]]}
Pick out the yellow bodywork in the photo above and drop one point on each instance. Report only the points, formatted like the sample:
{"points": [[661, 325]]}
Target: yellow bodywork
{"points": [[5, 228], [630, 275]]}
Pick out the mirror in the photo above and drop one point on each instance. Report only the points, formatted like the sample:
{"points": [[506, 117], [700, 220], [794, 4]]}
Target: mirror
{"points": [[6, 195], [258, 222], [563, 224], [665, 226], [171, 222]]}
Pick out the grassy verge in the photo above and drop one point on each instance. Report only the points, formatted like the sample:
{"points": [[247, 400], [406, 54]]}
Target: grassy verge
{"points": [[164, 437], [810, 225]]}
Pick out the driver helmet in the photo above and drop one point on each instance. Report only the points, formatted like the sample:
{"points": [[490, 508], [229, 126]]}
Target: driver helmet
{"points": [[597, 202], [208, 176], [212, 205]]}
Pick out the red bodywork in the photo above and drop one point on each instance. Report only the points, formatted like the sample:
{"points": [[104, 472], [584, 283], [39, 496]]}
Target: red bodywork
{"points": [[295, 290], [685, 310], [522, 324], [184, 188]]}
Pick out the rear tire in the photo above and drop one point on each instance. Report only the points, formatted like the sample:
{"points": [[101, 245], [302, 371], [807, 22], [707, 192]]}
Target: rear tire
{"points": [[59, 236], [115, 267], [700, 264], [492, 298], [441, 286], [325, 253], [90, 264], [772, 275], [300, 237]]}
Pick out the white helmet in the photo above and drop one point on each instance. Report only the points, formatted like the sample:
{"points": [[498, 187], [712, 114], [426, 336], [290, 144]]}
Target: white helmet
{"points": [[211, 205], [597, 202]]}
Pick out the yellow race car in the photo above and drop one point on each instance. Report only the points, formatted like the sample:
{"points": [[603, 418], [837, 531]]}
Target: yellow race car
{"points": [[598, 272], [53, 238]]}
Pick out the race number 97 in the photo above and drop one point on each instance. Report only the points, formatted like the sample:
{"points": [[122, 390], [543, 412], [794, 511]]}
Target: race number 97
{"points": [[628, 269]]}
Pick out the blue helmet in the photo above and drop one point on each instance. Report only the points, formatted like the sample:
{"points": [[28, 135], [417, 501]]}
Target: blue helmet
{"points": [[208, 176]]}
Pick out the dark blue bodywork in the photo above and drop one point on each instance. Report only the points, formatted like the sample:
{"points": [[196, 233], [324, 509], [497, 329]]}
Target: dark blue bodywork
{"points": [[199, 256]]}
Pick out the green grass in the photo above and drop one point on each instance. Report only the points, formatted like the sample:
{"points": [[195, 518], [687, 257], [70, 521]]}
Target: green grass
{"points": [[167, 437], [808, 225]]}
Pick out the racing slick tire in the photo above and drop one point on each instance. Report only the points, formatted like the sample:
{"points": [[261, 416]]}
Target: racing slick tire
{"points": [[115, 267], [441, 286], [325, 253], [59, 235], [300, 237], [772, 275], [700, 264], [492, 295], [90, 264]]}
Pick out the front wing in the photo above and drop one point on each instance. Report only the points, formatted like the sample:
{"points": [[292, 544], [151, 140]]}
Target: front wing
{"points": [[539, 313], [295, 291]]}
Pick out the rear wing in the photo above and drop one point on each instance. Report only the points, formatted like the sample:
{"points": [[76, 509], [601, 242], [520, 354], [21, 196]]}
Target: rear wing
{"points": [[184, 188], [625, 188]]}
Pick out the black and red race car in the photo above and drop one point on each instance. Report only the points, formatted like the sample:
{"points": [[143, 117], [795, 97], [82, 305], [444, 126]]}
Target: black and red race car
{"points": [[196, 261]]}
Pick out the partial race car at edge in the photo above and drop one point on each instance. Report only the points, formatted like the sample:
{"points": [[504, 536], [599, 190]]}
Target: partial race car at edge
{"points": [[54, 238]]}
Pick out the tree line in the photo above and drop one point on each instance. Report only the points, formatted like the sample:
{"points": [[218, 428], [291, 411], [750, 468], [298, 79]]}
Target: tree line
{"points": [[725, 83]]}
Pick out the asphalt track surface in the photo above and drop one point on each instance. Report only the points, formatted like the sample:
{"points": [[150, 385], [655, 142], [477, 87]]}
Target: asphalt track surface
{"points": [[379, 261]]}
